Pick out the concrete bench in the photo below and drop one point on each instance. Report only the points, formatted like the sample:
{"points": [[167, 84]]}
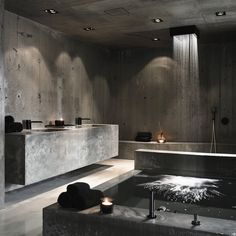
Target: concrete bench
{"points": [[127, 221]]}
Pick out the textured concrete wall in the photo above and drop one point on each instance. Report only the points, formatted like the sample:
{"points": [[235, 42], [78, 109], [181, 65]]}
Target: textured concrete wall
{"points": [[217, 83], [2, 108], [50, 76], [142, 91], [145, 91]]}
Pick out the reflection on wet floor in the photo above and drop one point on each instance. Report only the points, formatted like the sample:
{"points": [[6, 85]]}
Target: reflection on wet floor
{"points": [[22, 215]]}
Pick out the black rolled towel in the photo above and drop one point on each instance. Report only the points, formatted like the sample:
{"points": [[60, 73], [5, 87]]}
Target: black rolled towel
{"points": [[9, 119], [95, 197], [65, 200], [87, 200], [143, 139], [144, 134], [78, 188], [13, 127]]}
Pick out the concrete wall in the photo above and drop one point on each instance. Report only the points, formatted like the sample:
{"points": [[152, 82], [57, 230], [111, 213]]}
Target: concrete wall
{"points": [[145, 92], [141, 90], [50, 76], [217, 74], [2, 109]]}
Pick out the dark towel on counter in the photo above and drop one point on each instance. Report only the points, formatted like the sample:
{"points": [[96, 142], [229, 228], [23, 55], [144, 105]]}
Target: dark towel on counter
{"points": [[143, 139], [80, 196], [143, 136], [13, 127], [85, 201], [65, 200], [78, 188], [9, 119]]}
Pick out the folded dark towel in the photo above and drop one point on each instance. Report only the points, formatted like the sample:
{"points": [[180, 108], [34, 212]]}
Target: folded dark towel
{"points": [[143, 139], [13, 127], [9, 119], [144, 134], [65, 200], [78, 188], [80, 201], [85, 201]]}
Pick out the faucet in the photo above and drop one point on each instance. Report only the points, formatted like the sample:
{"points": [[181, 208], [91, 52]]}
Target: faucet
{"points": [[195, 221], [27, 123], [78, 120], [152, 204]]}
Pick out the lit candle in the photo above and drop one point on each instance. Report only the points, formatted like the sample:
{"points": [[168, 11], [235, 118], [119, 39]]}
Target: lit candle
{"points": [[161, 138], [106, 202], [106, 205], [59, 122]]}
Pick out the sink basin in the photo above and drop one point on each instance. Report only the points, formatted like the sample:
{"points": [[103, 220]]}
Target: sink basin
{"points": [[88, 125], [48, 130], [52, 129]]}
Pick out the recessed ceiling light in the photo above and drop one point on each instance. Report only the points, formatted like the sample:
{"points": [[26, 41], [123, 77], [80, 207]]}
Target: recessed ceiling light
{"points": [[157, 20], [220, 13], [89, 28], [51, 11], [155, 39]]}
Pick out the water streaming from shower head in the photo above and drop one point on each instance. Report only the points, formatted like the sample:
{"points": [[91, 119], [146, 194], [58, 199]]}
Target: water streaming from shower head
{"points": [[186, 77]]}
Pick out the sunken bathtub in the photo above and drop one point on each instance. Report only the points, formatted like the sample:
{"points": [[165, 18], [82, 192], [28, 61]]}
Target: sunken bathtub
{"points": [[185, 184]]}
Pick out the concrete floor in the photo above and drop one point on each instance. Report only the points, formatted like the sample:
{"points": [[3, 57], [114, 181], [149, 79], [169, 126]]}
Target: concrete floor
{"points": [[22, 215]]}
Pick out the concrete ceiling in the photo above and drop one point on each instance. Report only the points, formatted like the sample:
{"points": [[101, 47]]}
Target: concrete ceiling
{"points": [[129, 22]]}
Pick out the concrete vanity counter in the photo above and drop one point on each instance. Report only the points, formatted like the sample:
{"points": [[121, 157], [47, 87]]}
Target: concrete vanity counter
{"points": [[35, 155]]}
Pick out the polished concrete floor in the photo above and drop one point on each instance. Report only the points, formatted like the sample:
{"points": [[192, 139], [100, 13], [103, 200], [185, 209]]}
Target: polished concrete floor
{"points": [[22, 215]]}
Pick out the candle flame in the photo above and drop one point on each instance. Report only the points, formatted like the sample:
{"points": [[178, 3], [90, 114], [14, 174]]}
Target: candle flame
{"points": [[161, 138], [106, 201]]}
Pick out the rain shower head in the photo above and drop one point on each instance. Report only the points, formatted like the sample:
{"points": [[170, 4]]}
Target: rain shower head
{"points": [[191, 29]]}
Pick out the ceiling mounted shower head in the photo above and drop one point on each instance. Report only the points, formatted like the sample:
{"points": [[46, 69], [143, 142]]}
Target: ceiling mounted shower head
{"points": [[191, 29]]}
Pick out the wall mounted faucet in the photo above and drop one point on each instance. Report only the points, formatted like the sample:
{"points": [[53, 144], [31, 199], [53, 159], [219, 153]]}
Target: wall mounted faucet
{"points": [[78, 120], [27, 124]]}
